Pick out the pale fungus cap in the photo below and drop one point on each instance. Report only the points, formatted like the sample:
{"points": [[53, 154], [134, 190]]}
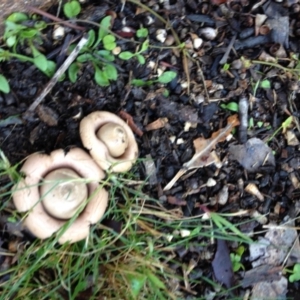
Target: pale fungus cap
{"points": [[53, 179], [109, 140]]}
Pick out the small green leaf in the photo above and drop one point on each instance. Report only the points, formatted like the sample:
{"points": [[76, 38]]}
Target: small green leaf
{"points": [[251, 123], [166, 94], [103, 30], [17, 17], [40, 62], [12, 219], [235, 260], [29, 33], [100, 77], [91, 38], [110, 72], [73, 71], [240, 250], [226, 67], [126, 55], [142, 33], [51, 68], [155, 280], [139, 82], [84, 57], [105, 54], [296, 273], [11, 41], [260, 124], [4, 85], [265, 84], [287, 123], [40, 25], [72, 9], [109, 42], [145, 46], [136, 283], [141, 59], [232, 106], [167, 77]]}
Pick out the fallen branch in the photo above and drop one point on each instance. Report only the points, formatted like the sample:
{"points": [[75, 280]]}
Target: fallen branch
{"points": [[58, 74]]}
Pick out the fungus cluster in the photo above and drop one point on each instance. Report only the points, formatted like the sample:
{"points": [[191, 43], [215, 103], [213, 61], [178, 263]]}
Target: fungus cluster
{"points": [[65, 186]]}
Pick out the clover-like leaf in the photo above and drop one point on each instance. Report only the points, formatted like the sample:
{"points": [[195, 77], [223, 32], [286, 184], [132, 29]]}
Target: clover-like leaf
{"points": [[72, 9], [109, 42], [142, 33]]}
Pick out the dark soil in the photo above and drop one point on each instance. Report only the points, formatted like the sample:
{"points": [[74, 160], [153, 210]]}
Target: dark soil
{"points": [[56, 121]]}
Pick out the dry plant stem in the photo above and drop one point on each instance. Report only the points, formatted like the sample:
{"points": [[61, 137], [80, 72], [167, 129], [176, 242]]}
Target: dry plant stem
{"points": [[51, 17], [58, 73], [207, 100], [225, 56]]}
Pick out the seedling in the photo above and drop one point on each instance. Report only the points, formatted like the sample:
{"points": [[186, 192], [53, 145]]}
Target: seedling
{"points": [[295, 273], [284, 126], [102, 59], [226, 67], [236, 259], [16, 33], [164, 78], [232, 106], [126, 55]]}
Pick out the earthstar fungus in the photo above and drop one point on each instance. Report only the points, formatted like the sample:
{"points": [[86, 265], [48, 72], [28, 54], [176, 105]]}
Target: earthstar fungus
{"points": [[109, 140], [49, 190]]}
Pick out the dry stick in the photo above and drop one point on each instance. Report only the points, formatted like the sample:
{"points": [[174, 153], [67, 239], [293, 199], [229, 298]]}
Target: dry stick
{"points": [[225, 56], [58, 73]]}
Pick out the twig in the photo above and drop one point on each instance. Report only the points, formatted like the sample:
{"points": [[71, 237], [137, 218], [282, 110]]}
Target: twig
{"points": [[225, 56], [51, 17], [58, 73]]}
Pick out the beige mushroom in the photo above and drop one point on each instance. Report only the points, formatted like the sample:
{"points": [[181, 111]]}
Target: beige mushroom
{"points": [[110, 141], [51, 183]]}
